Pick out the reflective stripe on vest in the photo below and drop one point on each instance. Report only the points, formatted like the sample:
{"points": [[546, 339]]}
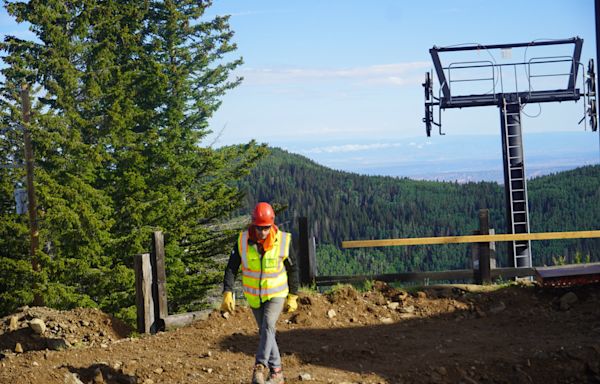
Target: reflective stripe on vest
{"points": [[264, 277]]}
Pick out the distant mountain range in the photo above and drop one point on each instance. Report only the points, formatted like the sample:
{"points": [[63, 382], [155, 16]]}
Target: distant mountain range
{"points": [[460, 158]]}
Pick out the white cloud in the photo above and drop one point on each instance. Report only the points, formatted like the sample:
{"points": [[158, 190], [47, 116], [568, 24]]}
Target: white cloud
{"points": [[391, 74], [351, 148]]}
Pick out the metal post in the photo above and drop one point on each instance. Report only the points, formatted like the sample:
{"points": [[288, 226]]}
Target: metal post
{"points": [[32, 206]]}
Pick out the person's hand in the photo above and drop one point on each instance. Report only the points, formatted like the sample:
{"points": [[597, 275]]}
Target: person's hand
{"points": [[228, 304], [291, 304]]}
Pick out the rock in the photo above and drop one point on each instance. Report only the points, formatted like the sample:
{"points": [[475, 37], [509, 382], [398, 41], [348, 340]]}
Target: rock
{"points": [[57, 344], [498, 307], [407, 309], [402, 295], [72, 378], [386, 320], [159, 370], [18, 348], [331, 313], [37, 325], [14, 323], [567, 300], [98, 378], [421, 295], [305, 377], [225, 315], [150, 381], [393, 306], [35, 364]]}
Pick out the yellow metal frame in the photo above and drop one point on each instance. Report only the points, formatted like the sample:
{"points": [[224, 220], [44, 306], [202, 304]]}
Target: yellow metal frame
{"points": [[471, 239]]}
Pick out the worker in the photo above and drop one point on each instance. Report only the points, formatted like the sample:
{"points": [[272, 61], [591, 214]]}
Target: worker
{"points": [[270, 285]]}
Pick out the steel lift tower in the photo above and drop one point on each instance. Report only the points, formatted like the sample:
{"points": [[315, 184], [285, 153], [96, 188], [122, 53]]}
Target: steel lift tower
{"points": [[510, 86]]}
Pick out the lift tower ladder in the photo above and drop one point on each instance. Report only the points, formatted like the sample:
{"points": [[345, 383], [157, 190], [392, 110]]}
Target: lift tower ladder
{"points": [[516, 182], [509, 86]]}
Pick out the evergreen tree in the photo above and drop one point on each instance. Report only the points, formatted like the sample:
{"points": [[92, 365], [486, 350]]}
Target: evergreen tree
{"points": [[127, 88]]}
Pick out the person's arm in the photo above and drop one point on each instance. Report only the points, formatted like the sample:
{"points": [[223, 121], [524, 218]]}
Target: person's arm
{"points": [[291, 267], [231, 271]]}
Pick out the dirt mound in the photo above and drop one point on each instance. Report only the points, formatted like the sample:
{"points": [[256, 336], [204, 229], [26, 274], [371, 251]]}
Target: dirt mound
{"points": [[40, 328], [436, 334]]}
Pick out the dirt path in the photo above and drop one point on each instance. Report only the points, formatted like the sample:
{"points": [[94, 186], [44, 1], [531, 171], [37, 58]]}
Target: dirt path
{"points": [[446, 334]]}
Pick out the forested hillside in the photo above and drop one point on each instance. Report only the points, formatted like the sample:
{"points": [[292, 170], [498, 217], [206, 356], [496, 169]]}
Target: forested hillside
{"points": [[346, 206]]}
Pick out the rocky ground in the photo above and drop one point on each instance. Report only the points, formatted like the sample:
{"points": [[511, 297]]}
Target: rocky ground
{"points": [[442, 334]]}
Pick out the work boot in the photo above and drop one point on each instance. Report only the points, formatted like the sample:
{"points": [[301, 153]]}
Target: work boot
{"points": [[258, 375], [276, 376]]}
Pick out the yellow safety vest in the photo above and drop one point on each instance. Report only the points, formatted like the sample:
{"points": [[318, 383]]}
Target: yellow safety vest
{"points": [[264, 278]]}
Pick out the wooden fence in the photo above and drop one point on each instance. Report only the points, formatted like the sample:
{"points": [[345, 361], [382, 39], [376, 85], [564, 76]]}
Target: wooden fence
{"points": [[151, 292], [150, 276], [484, 244]]}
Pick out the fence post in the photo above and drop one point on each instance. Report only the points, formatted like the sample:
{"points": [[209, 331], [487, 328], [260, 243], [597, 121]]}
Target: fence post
{"points": [[306, 257], [143, 293], [475, 259], [484, 248], [159, 280], [312, 260]]}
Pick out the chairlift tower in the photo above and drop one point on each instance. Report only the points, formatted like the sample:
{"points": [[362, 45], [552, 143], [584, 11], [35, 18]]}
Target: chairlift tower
{"points": [[510, 86]]}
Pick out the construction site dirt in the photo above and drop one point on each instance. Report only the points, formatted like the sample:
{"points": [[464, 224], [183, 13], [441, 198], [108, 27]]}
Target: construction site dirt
{"points": [[519, 333]]}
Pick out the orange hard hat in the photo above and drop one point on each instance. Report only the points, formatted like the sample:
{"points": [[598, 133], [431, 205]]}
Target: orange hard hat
{"points": [[263, 215]]}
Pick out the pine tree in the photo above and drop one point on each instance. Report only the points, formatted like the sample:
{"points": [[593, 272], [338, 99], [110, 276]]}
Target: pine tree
{"points": [[126, 91]]}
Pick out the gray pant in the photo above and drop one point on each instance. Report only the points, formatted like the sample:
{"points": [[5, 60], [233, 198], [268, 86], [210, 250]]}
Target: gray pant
{"points": [[266, 317]]}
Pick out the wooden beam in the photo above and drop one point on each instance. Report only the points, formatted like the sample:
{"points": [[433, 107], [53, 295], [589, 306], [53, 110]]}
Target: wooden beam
{"points": [[159, 279], [143, 293], [458, 274], [471, 239], [182, 319], [483, 275], [303, 251]]}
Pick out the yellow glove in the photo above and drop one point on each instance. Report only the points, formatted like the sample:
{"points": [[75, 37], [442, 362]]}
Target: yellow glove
{"points": [[291, 304], [228, 304]]}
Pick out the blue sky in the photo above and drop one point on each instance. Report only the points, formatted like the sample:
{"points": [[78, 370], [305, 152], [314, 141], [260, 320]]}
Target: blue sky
{"points": [[341, 79]]}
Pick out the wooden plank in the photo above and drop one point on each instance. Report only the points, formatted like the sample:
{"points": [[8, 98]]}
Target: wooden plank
{"points": [[484, 276], [182, 319], [458, 274], [471, 239], [159, 288], [143, 293], [568, 270], [506, 273], [303, 255], [312, 259]]}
